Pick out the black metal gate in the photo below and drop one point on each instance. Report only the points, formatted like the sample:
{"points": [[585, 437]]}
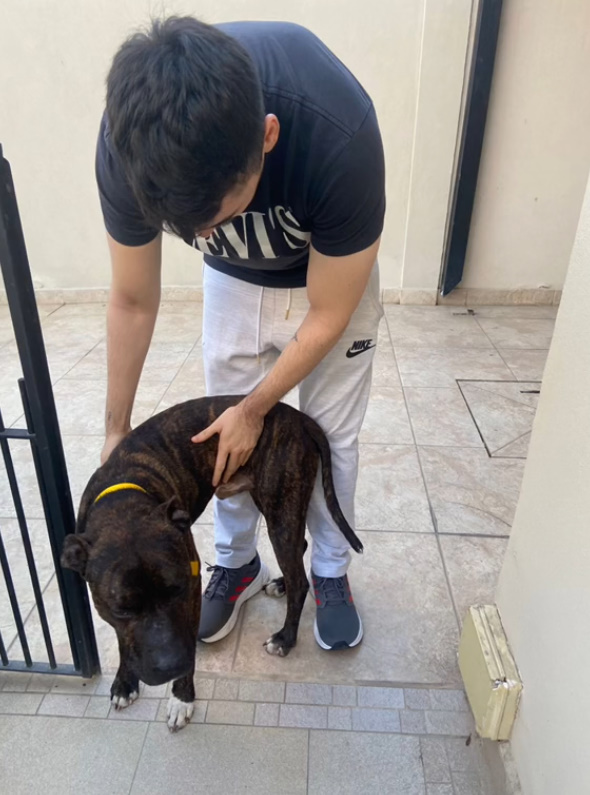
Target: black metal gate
{"points": [[43, 435]]}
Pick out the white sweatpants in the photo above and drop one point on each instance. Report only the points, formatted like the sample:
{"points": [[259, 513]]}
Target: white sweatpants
{"points": [[245, 327]]}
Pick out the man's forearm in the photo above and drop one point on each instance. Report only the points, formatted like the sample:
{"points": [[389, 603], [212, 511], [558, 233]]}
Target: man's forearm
{"points": [[316, 336], [129, 332]]}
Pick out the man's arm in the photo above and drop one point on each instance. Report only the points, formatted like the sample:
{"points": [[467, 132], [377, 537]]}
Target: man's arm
{"points": [[131, 315], [335, 286]]}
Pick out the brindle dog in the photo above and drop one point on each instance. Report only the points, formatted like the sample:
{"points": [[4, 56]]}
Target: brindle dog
{"points": [[134, 547]]}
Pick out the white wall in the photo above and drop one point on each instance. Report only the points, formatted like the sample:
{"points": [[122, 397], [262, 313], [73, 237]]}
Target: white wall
{"points": [[544, 589], [536, 154], [54, 55]]}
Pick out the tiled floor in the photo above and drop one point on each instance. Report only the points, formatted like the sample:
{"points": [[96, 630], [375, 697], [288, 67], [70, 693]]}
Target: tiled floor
{"points": [[442, 453]]}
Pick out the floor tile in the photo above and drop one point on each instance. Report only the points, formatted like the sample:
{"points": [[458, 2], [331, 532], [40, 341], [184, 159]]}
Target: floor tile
{"points": [[340, 718], [390, 494], [68, 755], [440, 417], [187, 384], [86, 329], [527, 365], [386, 420], [222, 759], [80, 405], [301, 693], [81, 309], [507, 332], [351, 762], [230, 712], [20, 571], [266, 715], [385, 371], [67, 706], [441, 367], [523, 311], [143, 709], [458, 724], [503, 413], [469, 491], [410, 628], [303, 716], [434, 759], [435, 327], [412, 722], [383, 697], [473, 565], [179, 326], [82, 459], [439, 789], [19, 704], [262, 691], [61, 356], [162, 363], [467, 784], [375, 720]]}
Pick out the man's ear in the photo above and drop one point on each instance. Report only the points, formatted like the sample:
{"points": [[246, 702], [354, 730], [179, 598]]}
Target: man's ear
{"points": [[75, 553]]}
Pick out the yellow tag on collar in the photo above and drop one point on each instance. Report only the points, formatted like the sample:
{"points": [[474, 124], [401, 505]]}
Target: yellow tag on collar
{"points": [[119, 487], [195, 568]]}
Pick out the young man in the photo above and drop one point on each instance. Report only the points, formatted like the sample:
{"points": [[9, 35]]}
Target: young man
{"points": [[253, 143]]}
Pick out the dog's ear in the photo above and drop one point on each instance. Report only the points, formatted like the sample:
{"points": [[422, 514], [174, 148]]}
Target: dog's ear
{"points": [[75, 553], [176, 515], [235, 485], [181, 519]]}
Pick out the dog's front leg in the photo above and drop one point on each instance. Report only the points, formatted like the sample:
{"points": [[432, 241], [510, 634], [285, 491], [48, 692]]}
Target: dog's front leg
{"points": [[125, 687], [181, 703]]}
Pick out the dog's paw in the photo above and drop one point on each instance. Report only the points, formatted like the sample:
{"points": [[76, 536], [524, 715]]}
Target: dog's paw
{"points": [[276, 645], [179, 713], [120, 702], [275, 588]]}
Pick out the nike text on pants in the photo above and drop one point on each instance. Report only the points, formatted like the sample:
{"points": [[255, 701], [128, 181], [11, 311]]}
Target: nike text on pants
{"points": [[245, 327]]}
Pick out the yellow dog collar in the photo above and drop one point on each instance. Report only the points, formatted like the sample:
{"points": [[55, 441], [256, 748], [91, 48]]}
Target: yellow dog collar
{"points": [[195, 566], [119, 487]]}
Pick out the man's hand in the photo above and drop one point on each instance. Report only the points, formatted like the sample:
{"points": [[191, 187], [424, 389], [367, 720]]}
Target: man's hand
{"points": [[239, 432], [111, 441]]}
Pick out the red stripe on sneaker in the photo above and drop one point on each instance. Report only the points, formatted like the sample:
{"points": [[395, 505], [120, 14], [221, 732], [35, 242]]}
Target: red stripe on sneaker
{"points": [[246, 580], [318, 602], [240, 588], [234, 598]]}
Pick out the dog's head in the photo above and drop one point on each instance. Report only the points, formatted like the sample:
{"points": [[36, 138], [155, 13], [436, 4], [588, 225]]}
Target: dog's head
{"points": [[138, 567]]}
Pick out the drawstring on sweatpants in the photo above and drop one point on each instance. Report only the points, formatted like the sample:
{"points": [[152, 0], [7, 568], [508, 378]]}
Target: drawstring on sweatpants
{"points": [[259, 324], [288, 309]]}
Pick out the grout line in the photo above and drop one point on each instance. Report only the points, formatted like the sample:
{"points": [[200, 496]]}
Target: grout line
{"points": [[487, 449], [433, 518], [448, 581], [147, 726], [307, 757]]}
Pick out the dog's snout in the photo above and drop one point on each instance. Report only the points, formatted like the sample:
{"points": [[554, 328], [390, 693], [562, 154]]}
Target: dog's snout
{"points": [[165, 655]]}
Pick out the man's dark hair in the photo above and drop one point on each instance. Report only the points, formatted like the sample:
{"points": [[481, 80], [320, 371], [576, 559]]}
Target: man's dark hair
{"points": [[186, 117]]}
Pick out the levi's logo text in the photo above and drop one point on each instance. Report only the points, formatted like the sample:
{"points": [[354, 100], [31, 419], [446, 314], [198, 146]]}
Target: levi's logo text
{"points": [[359, 346], [252, 235]]}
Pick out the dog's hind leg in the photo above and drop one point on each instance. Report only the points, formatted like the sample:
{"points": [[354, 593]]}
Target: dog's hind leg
{"points": [[276, 587], [290, 559]]}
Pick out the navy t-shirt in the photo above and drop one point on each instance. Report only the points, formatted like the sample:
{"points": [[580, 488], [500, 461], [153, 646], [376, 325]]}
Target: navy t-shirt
{"points": [[322, 183]]}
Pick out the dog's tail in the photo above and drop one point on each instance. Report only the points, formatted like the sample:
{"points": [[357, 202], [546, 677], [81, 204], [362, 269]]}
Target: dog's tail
{"points": [[321, 442]]}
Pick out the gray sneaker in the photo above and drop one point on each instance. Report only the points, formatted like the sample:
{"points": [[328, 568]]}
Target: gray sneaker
{"points": [[226, 592], [337, 624]]}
